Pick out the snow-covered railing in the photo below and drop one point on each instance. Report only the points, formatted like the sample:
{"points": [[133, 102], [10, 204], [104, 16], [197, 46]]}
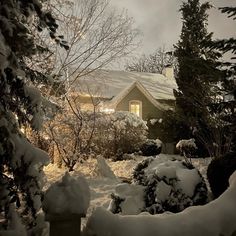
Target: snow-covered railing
{"points": [[213, 219]]}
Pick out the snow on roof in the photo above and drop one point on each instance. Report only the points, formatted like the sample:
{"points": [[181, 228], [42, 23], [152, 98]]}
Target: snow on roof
{"points": [[126, 91], [109, 84]]}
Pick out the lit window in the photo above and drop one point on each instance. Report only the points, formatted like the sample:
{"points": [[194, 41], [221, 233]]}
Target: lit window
{"points": [[136, 107]]}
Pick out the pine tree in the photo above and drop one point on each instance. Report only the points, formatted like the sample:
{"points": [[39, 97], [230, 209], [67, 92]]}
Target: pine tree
{"points": [[197, 71], [228, 105], [21, 164]]}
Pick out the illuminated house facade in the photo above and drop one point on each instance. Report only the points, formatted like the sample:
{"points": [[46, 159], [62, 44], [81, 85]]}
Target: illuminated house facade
{"points": [[145, 94]]}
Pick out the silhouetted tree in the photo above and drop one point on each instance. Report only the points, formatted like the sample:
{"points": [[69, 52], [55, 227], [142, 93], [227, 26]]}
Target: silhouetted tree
{"points": [[197, 75], [20, 103]]}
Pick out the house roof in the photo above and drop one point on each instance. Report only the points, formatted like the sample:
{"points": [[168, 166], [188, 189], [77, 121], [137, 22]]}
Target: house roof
{"points": [[117, 99], [109, 84]]}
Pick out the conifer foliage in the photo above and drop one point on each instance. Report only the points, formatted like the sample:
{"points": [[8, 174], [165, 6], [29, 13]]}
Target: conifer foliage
{"points": [[20, 103], [228, 105], [197, 71]]}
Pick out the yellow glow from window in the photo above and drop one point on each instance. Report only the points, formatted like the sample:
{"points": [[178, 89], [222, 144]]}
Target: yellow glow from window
{"points": [[135, 108]]}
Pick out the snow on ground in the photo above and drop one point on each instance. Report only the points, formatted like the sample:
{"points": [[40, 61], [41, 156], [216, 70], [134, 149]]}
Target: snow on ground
{"points": [[101, 187], [215, 218]]}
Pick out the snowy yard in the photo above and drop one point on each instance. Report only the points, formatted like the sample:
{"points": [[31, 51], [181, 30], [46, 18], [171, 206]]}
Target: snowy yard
{"points": [[102, 182]]}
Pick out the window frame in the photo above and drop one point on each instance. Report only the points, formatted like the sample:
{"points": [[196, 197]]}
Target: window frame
{"points": [[140, 107]]}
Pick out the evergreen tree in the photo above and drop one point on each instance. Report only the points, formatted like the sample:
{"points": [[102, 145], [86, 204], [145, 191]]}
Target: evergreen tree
{"points": [[228, 105], [197, 73], [21, 164]]}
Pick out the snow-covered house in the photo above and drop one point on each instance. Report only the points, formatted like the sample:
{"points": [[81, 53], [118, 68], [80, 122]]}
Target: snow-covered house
{"points": [[145, 94]]}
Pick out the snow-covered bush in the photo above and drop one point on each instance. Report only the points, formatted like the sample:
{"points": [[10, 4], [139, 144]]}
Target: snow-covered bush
{"points": [[187, 147], [215, 218], [151, 147], [118, 133], [167, 185], [71, 135], [219, 171], [82, 133], [69, 195]]}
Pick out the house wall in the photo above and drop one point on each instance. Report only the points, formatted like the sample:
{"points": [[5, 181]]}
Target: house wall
{"points": [[148, 109]]}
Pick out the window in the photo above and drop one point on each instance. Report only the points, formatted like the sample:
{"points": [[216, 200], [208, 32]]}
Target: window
{"points": [[136, 108]]}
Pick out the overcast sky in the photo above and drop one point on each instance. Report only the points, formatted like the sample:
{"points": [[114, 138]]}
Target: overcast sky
{"points": [[160, 21]]}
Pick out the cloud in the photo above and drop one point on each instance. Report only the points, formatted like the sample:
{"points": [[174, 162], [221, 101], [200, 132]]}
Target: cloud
{"points": [[160, 21]]}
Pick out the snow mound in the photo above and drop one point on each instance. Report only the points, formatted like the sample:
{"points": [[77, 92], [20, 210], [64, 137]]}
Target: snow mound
{"points": [[131, 199], [70, 195], [103, 169]]}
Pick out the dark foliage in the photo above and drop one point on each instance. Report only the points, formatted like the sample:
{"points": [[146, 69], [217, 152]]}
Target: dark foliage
{"points": [[20, 104], [219, 171], [116, 201], [151, 148], [138, 173], [197, 72], [228, 105]]}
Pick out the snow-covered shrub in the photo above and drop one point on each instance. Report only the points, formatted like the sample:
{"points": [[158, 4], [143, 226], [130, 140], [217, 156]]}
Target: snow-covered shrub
{"points": [[71, 135], [219, 171], [151, 147], [118, 133], [215, 218], [187, 147], [167, 185], [82, 133]]}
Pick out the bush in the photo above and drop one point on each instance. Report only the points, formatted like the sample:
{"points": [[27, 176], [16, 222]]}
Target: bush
{"points": [[79, 135], [167, 185], [187, 147], [219, 171], [151, 147], [118, 133]]}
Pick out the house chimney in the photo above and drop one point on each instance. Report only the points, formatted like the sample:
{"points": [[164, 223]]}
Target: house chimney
{"points": [[168, 72]]}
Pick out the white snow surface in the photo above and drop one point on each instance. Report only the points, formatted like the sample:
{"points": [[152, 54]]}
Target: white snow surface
{"points": [[133, 195], [108, 83], [215, 218], [70, 195], [188, 180], [103, 169], [101, 187]]}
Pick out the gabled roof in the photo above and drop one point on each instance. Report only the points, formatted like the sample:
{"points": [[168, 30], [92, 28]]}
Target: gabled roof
{"points": [[109, 84], [116, 100]]}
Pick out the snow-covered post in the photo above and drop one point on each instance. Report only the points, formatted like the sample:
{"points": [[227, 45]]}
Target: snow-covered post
{"points": [[65, 203], [64, 224]]}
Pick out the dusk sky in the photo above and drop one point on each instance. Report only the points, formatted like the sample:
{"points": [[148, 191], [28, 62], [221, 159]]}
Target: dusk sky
{"points": [[160, 21]]}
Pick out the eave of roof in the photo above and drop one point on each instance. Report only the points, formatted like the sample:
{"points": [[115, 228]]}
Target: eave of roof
{"points": [[116, 100]]}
